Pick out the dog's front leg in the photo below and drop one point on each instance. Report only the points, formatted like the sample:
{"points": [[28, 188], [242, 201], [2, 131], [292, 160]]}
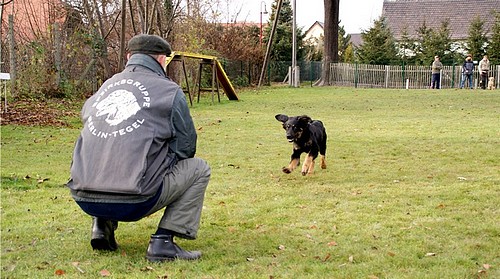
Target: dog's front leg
{"points": [[323, 162], [308, 167], [293, 164]]}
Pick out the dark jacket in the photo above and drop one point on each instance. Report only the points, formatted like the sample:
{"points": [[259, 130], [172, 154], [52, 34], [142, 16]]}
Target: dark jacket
{"points": [[468, 67], [135, 128]]}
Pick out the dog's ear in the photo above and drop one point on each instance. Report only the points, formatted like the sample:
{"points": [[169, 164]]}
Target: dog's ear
{"points": [[281, 117], [305, 119]]}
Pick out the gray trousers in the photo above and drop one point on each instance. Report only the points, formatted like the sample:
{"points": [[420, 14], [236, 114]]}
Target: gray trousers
{"points": [[182, 197]]}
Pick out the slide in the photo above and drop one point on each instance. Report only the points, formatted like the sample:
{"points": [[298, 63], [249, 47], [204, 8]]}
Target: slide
{"points": [[222, 77], [225, 82]]}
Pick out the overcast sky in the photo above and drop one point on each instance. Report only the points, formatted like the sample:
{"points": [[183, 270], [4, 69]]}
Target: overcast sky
{"points": [[355, 15]]}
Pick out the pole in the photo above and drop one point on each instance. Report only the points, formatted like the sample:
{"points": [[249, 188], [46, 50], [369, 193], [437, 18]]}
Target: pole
{"points": [[262, 12], [260, 35], [294, 45], [269, 43]]}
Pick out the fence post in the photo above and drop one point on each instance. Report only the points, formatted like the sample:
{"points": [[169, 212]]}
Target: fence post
{"points": [[356, 75], [453, 76], [311, 72], [403, 72], [498, 76], [386, 76]]}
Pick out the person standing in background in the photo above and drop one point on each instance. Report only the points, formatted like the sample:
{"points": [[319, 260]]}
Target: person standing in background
{"points": [[437, 66], [484, 68], [467, 71]]}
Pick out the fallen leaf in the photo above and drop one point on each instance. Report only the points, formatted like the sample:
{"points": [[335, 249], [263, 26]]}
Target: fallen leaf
{"points": [[147, 268], [351, 259], [42, 180], [327, 257], [250, 259], [391, 254], [430, 254], [105, 273], [486, 266], [281, 247], [332, 243], [76, 265], [60, 272]]}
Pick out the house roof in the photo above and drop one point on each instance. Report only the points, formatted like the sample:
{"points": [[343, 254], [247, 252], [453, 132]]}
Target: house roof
{"points": [[316, 23], [356, 39], [411, 14], [313, 31]]}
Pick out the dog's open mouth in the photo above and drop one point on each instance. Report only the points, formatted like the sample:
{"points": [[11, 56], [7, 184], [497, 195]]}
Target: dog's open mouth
{"points": [[290, 140]]}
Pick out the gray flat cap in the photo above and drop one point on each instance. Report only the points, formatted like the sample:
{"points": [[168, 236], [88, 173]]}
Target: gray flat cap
{"points": [[149, 44]]}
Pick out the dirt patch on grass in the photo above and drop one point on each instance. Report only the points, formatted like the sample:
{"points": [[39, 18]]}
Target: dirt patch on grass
{"points": [[40, 113]]}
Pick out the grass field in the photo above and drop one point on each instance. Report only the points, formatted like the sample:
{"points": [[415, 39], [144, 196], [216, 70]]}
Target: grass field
{"points": [[412, 190]]}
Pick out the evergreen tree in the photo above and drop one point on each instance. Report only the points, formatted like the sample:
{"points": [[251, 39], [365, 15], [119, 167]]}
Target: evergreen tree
{"points": [[477, 40], [344, 42], [423, 47], [282, 44], [406, 48], [494, 46], [379, 47], [433, 43], [441, 42]]}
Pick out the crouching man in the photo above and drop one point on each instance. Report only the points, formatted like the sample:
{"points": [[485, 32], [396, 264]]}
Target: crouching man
{"points": [[135, 155]]}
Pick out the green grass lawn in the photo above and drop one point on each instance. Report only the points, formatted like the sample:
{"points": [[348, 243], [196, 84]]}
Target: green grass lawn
{"points": [[411, 190]]}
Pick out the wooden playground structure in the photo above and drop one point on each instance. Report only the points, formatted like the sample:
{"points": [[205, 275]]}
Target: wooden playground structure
{"points": [[219, 76]]}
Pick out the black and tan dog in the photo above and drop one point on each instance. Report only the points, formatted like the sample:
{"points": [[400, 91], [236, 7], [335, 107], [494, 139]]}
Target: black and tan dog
{"points": [[308, 136]]}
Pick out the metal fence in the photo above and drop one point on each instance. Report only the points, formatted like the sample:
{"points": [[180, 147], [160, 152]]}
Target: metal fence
{"points": [[403, 76], [244, 74], [248, 73]]}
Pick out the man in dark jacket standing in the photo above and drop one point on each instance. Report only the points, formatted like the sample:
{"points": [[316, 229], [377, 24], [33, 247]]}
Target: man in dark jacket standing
{"points": [[467, 72], [135, 155]]}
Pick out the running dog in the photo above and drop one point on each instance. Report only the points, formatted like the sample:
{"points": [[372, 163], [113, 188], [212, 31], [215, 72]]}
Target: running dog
{"points": [[491, 83], [308, 136]]}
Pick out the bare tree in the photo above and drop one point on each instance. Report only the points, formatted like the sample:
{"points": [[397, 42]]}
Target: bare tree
{"points": [[331, 51]]}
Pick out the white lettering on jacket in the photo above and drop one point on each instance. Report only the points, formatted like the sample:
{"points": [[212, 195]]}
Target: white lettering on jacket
{"points": [[118, 108]]}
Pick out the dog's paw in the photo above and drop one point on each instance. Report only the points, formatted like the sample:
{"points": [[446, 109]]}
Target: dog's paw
{"points": [[286, 170]]}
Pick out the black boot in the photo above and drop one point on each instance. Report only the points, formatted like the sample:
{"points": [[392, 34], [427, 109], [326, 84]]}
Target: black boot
{"points": [[163, 248], [103, 234]]}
